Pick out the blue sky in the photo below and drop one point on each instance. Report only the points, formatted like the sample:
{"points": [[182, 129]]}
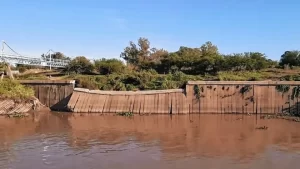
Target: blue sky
{"points": [[103, 28]]}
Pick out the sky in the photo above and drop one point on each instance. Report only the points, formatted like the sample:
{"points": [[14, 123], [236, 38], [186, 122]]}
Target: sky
{"points": [[103, 28]]}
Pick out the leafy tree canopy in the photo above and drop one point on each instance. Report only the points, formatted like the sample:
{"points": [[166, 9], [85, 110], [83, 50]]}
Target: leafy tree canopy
{"points": [[291, 58], [109, 66], [80, 64]]}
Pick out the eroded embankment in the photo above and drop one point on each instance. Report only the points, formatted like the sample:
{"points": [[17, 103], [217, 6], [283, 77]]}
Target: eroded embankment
{"points": [[18, 107]]}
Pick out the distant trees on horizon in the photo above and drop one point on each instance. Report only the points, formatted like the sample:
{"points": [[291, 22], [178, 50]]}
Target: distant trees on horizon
{"points": [[205, 59]]}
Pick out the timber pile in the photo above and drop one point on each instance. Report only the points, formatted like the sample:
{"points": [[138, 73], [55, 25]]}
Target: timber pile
{"points": [[138, 102]]}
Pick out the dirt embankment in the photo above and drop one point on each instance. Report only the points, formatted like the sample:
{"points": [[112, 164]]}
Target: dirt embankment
{"points": [[18, 108]]}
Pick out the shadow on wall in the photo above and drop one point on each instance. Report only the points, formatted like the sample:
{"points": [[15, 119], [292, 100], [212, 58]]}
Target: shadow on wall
{"points": [[293, 110], [61, 105]]}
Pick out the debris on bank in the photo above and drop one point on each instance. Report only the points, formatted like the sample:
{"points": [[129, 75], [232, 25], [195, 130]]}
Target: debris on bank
{"points": [[18, 108], [262, 128], [282, 116]]}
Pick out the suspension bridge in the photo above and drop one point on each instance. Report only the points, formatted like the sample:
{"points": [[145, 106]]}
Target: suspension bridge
{"points": [[9, 55]]}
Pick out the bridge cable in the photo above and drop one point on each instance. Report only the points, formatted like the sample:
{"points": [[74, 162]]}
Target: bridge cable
{"points": [[51, 51], [12, 49]]}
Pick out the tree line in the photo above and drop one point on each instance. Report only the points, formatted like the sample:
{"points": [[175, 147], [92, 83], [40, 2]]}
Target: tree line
{"points": [[205, 59]]}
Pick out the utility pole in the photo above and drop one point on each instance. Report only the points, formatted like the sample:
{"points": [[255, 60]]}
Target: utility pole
{"points": [[2, 50], [50, 58], [2, 60]]}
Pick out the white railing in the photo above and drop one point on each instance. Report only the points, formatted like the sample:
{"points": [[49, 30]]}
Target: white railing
{"points": [[25, 60]]}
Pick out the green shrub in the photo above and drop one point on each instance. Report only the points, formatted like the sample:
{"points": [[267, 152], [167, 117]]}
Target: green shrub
{"points": [[125, 114], [86, 82], [290, 78], [13, 89], [22, 69], [240, 76], [31, 77], [130, 87], [79, 65], [109, 66], [143, 80]]}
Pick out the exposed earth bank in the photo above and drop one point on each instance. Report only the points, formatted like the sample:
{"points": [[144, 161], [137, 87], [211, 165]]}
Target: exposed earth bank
{"points": [[18, 108]]}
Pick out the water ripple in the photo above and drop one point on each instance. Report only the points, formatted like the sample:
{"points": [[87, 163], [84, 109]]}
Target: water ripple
{"points": [[149, 142]]}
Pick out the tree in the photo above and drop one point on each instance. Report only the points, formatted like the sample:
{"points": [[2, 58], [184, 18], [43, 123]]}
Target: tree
{"points": [[234, 62], [246, 61], [205, 59], [56, 55], [291, 58], [155, 60], [131, 54], [108, 66], [144, 50], [142, 56], [208, 49], [210, 59], [201, 60], [80, 65]]}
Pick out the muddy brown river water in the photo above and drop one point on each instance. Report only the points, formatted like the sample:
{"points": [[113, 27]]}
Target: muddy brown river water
{"points": [[81, 141]]}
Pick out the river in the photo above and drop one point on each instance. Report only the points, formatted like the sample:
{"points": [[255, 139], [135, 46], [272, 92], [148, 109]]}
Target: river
{"points": [[85, 141]]}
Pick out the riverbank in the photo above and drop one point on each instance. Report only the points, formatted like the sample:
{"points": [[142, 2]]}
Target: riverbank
{"points": [[282, 116], [130, 80], [16, 100], [196, 97], [18, 108]]}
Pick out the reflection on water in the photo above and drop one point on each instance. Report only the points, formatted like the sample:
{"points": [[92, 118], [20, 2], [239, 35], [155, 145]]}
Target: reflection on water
{"points": [[63, 141]]}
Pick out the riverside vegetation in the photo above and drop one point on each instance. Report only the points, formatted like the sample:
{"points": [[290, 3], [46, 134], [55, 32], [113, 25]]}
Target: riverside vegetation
{"points": [[150, 68], [15, 99], [11, 89]]}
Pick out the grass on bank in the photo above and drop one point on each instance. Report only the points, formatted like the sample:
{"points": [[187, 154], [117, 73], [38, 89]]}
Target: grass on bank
{"points": [[144, 80], [32, 77], [151, 80], [125, 114], [241, 76], [14, 90]]}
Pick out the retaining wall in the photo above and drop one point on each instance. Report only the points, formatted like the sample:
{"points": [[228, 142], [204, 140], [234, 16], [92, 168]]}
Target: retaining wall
{"points": [[213, 97], [159, 101], [52, 93], [242, 97]]}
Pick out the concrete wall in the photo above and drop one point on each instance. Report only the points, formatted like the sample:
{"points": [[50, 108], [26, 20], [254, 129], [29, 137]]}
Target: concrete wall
{"points": [[52, 93], [215, 97]]}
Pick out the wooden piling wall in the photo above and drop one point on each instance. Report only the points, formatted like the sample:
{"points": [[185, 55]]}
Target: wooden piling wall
{"points": [[54, 94], [249, 97], [259, 97], [139, 102]]}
